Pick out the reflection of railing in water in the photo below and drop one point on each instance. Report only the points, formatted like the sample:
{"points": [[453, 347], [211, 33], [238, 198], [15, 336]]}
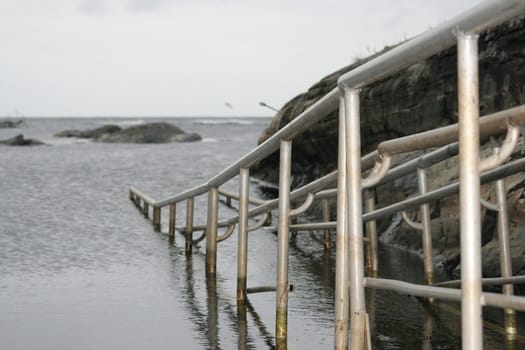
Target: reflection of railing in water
{"points": [[350, 307], [206, 317]]}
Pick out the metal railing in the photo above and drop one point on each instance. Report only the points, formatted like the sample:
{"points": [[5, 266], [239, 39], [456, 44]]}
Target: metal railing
{"points": [[350, 309]]}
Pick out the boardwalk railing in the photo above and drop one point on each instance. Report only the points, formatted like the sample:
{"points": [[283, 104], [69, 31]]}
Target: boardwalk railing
{"points": [[348, 186]]}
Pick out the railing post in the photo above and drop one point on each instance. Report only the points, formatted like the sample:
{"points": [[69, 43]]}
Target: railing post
{"points": [[188, 232], [469, 194], [281, 322], [145, 210], [242, 243], [156, 218], [371, 232], [326, 218], [358, 317], [341, 303], [211, 231], [504, 250], [424, 210], [173, 216]]}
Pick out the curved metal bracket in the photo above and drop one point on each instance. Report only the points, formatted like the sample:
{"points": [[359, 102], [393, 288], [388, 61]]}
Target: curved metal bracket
{"points": [[413, 224], [498, 158], [195, 241], [227, 233], [260, 223], [489, 205], [315, 239], [378, 172], [304, 207]]}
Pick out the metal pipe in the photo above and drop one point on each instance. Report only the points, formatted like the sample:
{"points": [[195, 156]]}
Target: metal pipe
{"points": [[489, 125], [156, 218], [191, 193], [504, 249], [415, 225], [378, 172], [492, 175], [424, 211], [371, 232], [326, 232], [303, 207], [188, 232], [355, 223], [486, 299], [242, 242], [211, 231], [142, 195], [469, 192], [488, 205], [321, 108], [281, 322], [260, 223], [481, 17], [173, 216], [227, 233], [233, 195], [510, 142], [341, 303], [262, 289], [493, 281]]}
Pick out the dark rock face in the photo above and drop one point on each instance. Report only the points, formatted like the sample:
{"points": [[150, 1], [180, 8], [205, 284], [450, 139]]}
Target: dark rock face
{"points": [[145, 133], [19, 140], [7, 124], [92, 133], [419, 98]]}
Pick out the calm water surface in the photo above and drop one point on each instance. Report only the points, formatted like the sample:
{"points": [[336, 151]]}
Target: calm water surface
{"points": [[80, 268]]}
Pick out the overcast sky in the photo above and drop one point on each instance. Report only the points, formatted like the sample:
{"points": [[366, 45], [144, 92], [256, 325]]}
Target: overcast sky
{"points": [[189, 57]]}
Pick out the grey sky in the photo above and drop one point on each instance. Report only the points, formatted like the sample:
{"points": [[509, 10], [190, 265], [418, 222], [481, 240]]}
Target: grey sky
{"points": [[188, 57]]}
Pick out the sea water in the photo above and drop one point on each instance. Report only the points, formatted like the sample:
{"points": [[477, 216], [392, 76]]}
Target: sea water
{"points": [[81, 268]]}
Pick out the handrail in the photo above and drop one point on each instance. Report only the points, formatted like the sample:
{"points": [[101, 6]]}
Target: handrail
{"points": [[483, 16], [315, 113], [490, 125], [350, 280], [445, 191]]}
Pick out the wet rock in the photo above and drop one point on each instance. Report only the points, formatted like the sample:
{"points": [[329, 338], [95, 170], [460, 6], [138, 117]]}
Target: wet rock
{"points": [[92, 133], [7, 124], [19, 140], [191, 137], [144, 133]]}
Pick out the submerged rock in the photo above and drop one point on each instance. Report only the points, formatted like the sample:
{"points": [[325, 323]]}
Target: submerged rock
{"points": [[19, 140], [144, 133], [92, 133], [191, 137], [7, 124]]}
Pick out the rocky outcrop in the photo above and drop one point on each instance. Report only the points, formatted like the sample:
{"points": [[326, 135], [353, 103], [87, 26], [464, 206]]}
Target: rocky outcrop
{"points": [[90, 134], [143, 133], [8, 124], [419, 98], [19, 140]]}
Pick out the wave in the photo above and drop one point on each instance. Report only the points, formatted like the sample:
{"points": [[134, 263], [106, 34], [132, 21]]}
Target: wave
{"points": [[123, 123], [227, 122]]}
